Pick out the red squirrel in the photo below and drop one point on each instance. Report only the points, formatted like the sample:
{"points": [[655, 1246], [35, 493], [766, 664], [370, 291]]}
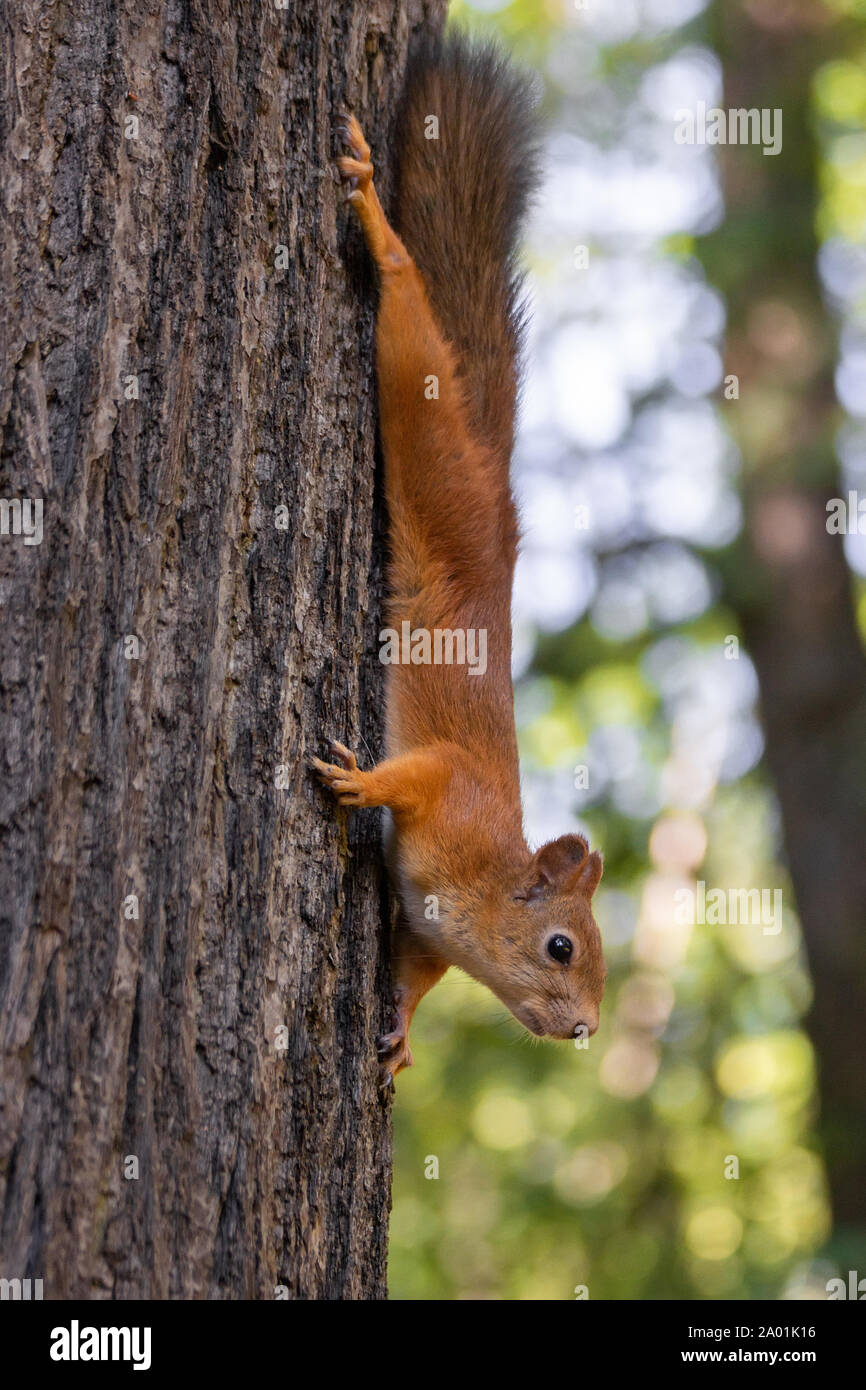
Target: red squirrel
{"points": [[448, 339]]}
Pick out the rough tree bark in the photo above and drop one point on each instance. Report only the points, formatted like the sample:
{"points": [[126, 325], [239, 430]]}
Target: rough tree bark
{"points": [[187, 348], [789, 579]]}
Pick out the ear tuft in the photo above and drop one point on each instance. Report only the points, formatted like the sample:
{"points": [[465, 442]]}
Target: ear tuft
{"points": [[589, 875], [555, 864]]}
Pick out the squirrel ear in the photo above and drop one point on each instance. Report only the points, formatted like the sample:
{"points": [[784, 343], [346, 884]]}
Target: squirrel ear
{"points": [[553, 866], [589, 876]]}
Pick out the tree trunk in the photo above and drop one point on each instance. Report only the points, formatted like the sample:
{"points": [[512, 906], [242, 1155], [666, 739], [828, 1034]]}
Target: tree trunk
{"points": [[812, 675], [192, 959], [789, 579]]}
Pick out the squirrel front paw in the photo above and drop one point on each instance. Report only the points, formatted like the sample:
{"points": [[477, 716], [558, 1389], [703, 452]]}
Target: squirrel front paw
{"points": [[394, 1052], [394, 1055], [345, 780]]}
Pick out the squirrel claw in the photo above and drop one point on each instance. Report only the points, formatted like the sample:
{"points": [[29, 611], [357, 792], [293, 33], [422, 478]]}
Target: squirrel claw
{"points": [[344, 755]]}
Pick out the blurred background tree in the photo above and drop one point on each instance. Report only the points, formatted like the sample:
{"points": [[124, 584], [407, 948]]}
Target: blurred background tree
{"points": [[695, 394]]}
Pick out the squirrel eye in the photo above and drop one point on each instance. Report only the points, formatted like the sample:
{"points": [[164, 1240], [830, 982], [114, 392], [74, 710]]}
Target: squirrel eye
{"points": [[560, 948]]}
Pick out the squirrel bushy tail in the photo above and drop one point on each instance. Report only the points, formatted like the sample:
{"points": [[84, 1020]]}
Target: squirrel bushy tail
{"points": [[460, 200]]}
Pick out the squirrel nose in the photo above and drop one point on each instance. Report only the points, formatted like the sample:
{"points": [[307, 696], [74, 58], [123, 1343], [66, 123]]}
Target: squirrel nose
{"points": [[590, 1024]]}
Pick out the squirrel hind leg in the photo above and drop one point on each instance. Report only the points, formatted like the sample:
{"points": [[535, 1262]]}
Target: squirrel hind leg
{"points": [[385, 246]]}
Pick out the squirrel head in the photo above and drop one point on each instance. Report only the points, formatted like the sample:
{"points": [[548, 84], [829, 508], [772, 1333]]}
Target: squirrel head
{"points": [[549, 968]]}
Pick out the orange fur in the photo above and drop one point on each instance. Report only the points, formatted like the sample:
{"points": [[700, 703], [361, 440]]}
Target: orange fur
{"points": [[451, 779]]}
